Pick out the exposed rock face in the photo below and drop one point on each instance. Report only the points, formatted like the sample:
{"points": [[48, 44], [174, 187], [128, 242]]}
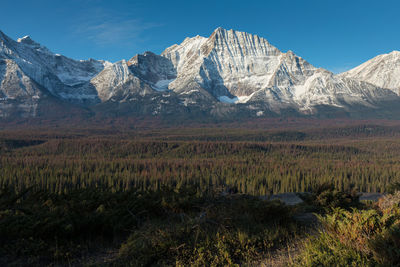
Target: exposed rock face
{"points": [[229, 72], [18, 93], [382, 71], [227, 63], [118, 82], [153, 69]]}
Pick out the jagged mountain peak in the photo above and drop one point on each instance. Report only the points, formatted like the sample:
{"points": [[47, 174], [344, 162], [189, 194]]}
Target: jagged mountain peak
{"points": [[382, 70], [27, 40], [156, 70], [224, 32], [228, 63], [237, 41], [135, 59], [245, 41], [221, 32], [219, 29], [187, 42], [238, 67], [63, 77]]}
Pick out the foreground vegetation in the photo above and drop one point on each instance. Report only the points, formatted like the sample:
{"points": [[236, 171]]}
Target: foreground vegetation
{"points": [[199, 197], [357, 237], [165, 227], [171, 227]]}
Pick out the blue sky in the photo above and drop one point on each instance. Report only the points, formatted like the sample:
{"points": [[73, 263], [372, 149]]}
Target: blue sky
{"points": [[336, 35]]}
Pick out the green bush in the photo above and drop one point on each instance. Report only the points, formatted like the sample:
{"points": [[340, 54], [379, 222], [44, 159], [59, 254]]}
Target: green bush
{"points": [[394, 187], [326, 250], [327, 196], [227, 231], [386, 247], [357, 237], [163, 227]]}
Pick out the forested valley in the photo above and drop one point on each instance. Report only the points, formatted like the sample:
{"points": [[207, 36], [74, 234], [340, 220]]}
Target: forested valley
{"points": [[195, 196]]}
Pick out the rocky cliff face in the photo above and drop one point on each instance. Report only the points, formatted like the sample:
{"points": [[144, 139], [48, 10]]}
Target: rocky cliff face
{"points": [[229, 72], [18, 93], [228, 63]]}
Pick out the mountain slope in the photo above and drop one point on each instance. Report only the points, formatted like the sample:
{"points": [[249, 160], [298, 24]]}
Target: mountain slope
{"points": [[63, 77], [382, 71]]}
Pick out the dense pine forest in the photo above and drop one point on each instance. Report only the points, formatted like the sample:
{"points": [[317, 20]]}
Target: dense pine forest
{"points": [[253, 162], [199, 196]]}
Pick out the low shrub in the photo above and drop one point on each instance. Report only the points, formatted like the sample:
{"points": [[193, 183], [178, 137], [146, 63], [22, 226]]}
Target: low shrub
{"points": [[227, 231], [327, 196], [392, 188], [162, 227], [357, 237]]}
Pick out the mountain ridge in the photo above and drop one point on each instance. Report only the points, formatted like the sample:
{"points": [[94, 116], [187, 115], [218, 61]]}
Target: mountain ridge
{"points": [[226, 74], [382, 70]]}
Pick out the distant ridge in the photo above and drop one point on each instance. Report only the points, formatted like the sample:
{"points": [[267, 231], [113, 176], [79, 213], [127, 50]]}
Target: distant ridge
{"points": [[230, 74]]}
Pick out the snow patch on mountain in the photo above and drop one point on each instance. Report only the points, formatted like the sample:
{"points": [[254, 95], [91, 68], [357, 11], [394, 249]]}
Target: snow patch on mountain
{"points": [[162, 85], [227, 99], [234, 100]]}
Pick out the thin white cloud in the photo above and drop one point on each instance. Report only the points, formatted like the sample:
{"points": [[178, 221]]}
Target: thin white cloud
{"points": [[105, 29]]}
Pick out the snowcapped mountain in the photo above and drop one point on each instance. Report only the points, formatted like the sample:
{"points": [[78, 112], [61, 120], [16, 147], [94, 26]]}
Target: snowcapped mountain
{"points": [[382, 71], [63, 77], [237, 67], [226, 74]]}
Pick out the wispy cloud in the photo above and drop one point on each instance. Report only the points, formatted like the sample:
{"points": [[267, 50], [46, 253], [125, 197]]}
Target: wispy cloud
{"points": [[104, 28]]}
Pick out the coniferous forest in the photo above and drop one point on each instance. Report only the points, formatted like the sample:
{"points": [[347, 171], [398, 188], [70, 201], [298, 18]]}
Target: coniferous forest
{"points": [[199, 196]]}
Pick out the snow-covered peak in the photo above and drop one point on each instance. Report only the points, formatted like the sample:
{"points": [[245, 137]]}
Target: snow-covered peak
{"points": [[62, 76], [243, 43], [382, 71], [228, 62], [395, 53], [238, 67], [219, 29], [187, 51], [156, 70], [27, 40], [229, 69]]}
